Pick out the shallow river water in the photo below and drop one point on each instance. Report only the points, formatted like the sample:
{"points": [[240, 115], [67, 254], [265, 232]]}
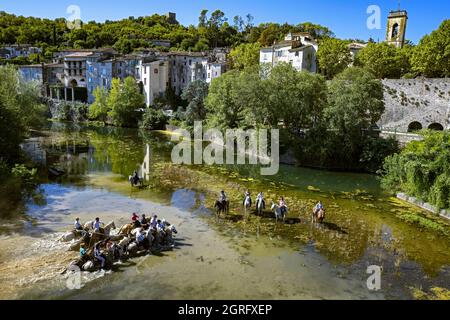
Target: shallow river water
{"points": [[226, 258]]}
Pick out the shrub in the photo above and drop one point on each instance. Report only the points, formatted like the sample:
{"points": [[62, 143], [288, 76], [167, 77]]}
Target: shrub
{"points": [[154, 120]]}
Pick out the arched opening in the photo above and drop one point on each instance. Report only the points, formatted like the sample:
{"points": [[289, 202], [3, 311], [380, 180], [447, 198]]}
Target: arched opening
{"points": [[415, 126], [74, 83], [436, 127], [395, 29]]}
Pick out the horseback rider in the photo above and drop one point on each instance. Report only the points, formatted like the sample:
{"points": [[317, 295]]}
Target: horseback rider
{"points": [[98, 255], [283, 206], [223, 197], [247, 196], [135, 221], [136, 178], [154, 221], [318, 207], [259, 198], [77, 225], [97, 225], [144, 221], [140, 236], [82, 251]]}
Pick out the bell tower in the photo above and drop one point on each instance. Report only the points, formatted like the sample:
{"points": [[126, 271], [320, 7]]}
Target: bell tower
{"points": [[396, 29]]}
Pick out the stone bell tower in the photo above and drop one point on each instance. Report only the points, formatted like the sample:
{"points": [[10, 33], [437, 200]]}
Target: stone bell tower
{"points": [[396, 29]]}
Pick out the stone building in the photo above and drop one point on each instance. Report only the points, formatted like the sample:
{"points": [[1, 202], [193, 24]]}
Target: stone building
{"points": [[154, 78], [297, 49], [18, 50]]}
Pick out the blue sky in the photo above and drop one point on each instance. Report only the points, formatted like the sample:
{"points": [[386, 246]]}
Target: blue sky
{"points": [[345, 17]]}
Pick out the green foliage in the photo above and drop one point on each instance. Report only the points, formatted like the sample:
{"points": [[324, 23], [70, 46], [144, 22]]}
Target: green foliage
{"points": [[245, 99], [431, 58], [20, 109], [70, 111], [355, 101], [384, 60], [124, 100], [154, 120], [375, 150], [333, 56], [421, 170], [127, 35], [245, 55], [195, 94], [27, 177], [99, 109]]}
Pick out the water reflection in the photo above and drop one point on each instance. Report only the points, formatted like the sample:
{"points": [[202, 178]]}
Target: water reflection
{"points": [[361, 226]]}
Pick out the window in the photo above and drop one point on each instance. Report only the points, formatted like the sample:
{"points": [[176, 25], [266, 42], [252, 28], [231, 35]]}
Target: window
{"points": [[145, 81], [209, 75], [190, 62], [297, 53], [145, 70], [155, 71], [395, 29]]}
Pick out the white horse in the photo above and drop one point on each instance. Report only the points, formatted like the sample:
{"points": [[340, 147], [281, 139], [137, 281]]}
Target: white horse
{"points": [[260, 206], [72, 235], [89, 226], [279, 215], [247, 203]]}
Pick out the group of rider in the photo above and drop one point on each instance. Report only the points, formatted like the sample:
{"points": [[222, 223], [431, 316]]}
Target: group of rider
{"points": [[260, 199], [141, 224]]}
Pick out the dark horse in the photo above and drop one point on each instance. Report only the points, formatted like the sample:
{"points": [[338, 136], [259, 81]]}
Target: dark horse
{"points": [[222, 207]]}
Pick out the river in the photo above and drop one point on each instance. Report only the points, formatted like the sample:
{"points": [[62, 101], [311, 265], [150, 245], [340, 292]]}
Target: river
{"points": [[226, 258]]}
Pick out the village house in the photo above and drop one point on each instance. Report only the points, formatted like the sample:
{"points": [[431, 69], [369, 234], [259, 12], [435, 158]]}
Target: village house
{"points": [[186, 68], [154, 78], [76, 73], [297, 49], [18, 50]]}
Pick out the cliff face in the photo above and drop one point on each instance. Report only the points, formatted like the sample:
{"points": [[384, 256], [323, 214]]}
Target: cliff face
{"points": [[416, 101]]}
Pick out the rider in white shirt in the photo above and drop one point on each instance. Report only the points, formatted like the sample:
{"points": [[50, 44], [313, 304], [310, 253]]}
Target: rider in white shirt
{"points": [[96, 225], [78, 225], [140, 236], [260, 197]]}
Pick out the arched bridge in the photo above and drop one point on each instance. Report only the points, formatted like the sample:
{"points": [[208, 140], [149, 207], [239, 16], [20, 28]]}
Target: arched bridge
{"points": [[415, 104]]}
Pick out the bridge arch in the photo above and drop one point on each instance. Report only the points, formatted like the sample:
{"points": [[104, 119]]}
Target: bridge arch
{"points": [[415, 126], [436, 126]]}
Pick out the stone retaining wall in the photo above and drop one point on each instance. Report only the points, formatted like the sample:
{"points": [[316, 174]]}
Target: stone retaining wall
{"points": [[424, 205]]}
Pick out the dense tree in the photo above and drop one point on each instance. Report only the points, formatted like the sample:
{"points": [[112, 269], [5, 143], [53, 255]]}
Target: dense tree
{"points": [[195, 94], [124, 100], [355, 101], [296, 98], [383, 60], [223, 105], [431, 57], [421, 170], [245, 55], [333, 56], [98, 110], [20, 109], [133, 33], [153, 120]]}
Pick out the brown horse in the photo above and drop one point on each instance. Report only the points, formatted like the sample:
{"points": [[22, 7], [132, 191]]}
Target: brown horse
{"points": [[126, 229], [222, 207], [318, 216]]}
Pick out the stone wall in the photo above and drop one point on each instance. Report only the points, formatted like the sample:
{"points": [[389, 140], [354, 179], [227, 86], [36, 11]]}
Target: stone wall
{"points": [[425, 102]]}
